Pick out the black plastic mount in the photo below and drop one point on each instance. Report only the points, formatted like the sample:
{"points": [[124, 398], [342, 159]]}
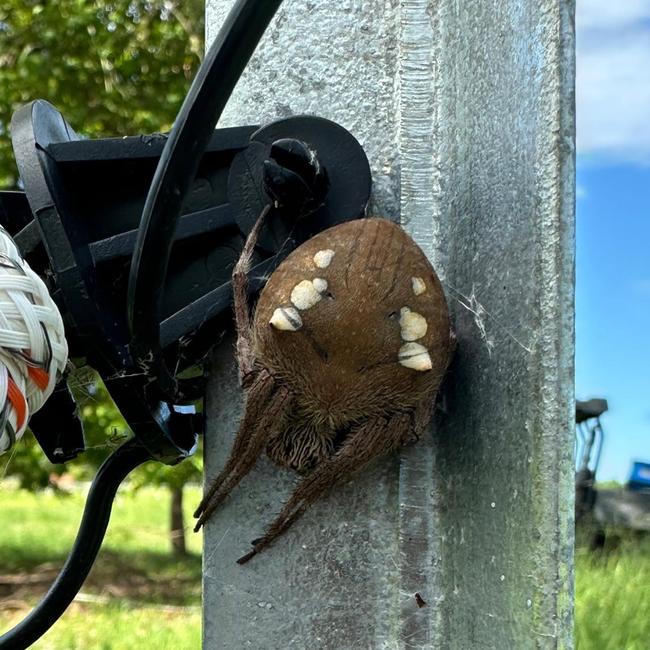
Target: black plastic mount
{"points": [[136, 237], [87, 197]]}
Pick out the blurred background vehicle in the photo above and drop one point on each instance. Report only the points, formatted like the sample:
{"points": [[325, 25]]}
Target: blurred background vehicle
{"points": [[602, 508]]}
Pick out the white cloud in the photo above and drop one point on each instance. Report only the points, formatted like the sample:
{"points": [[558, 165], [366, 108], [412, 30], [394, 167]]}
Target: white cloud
{"points": [[610, 14], [613, 80]]}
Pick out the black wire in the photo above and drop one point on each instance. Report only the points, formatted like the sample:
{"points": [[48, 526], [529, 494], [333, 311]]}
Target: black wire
{"points": [[176, 169], [94, 522]]}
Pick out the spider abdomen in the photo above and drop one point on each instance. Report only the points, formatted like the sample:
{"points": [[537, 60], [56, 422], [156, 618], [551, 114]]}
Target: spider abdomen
{"points": [[355, 322], [347, 348]]}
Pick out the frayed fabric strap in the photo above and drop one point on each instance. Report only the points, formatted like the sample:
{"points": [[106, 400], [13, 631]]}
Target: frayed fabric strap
{"points": [[33, 349]]}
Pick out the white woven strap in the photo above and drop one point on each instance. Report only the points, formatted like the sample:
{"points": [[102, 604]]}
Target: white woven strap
{"points": [[33, 349]]}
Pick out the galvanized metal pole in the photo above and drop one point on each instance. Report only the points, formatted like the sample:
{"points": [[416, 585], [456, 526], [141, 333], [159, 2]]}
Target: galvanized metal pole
{"points": [[465, 110]]}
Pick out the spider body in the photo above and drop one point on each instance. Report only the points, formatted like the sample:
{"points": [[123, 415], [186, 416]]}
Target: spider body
{"points": [[341, 362]]}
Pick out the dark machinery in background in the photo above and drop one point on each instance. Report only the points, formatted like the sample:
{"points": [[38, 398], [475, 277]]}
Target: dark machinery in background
{"points": [[606, 508], [136, 239]]}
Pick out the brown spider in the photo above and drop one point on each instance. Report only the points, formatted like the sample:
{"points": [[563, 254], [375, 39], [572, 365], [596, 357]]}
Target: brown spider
{"points": [[341, 363]]}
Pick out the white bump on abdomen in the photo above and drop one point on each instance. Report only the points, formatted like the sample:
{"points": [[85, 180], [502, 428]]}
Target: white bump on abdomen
{"points": [[307, 293], [414, 325], [418, 286], [286, 318], [414, 356], [322, 259]]}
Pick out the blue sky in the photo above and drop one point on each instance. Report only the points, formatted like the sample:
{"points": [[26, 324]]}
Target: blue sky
{"points": [[613, 224]]}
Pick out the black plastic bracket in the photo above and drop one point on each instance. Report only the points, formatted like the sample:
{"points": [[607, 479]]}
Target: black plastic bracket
{"points": [[87, 198]]}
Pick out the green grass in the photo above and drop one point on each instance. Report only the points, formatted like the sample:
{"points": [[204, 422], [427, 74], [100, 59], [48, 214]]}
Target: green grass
{"points": [[613, 596], [117, 626], [138, 594]]}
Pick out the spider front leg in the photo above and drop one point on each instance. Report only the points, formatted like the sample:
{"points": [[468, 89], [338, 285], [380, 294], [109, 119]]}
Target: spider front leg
{"points": [[258, 396], [368, 441], [261, 420], [259, 385], [245, 356]]}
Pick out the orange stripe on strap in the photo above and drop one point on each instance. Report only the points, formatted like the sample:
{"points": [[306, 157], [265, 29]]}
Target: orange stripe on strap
{"points": [[17, 400], [39, 377]]}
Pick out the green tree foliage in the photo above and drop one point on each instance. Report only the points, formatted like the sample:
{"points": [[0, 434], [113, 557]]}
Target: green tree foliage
{"points": [[112, 68]]}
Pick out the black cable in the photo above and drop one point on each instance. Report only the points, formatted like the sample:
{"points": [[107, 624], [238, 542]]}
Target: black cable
{"points": [[94, 522], [176, 169]]}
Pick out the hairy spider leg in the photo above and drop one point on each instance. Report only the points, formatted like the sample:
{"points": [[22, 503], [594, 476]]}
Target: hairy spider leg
{"points": [[258, 396], [260, 382], [374, 438], [273, 416], [243, 322]]}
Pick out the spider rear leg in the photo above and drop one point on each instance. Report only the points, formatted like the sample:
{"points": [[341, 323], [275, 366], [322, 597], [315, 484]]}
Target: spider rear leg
{"points": [[368, 441], [265, 412]]}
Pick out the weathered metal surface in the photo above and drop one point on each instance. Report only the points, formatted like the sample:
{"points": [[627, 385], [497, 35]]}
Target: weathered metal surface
{"points": [[466, 113]]}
